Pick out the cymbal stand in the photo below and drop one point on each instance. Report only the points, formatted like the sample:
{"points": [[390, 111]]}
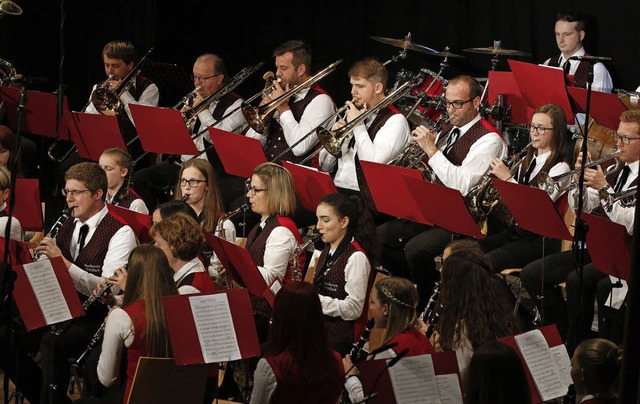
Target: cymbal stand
{"points": [[401, 55]]}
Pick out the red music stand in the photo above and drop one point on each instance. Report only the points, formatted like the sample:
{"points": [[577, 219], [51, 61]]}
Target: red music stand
{"points": [[239, 154], [162, 130], [505, 84], [311, 184], [25, 296], [552, 336], [444, 207], [40, 112], [532, 209], [139, 222], [605, 108], [184, 335], [29, 209], [94, 133], [541, 85], [609, 246], [390, 193]]}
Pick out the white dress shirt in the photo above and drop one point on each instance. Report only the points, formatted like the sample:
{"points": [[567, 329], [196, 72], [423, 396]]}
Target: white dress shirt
{"points": [[560, 168], [120, 246], [193, 266], [16, 232], [392, 137], [118, 334], [279, 249], [474, 165], [317, 113], [601, 78], [137, 205]]}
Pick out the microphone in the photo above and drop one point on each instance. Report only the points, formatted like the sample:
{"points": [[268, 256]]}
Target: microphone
{"points": [[591, 58]]}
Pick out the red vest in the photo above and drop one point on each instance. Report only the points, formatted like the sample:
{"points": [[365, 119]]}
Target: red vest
{"points": [[139, 346], [414, 340]]}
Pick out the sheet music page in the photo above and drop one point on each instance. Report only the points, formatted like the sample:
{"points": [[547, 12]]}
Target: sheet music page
{"points": [[275, 286], [541, 364], [414, 380], [563, 361], [449, 388], [214, 325], [48, 292]]}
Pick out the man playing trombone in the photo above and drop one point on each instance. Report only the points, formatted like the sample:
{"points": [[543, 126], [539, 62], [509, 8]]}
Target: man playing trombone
{"points": [[378, 137], [209, 76]]}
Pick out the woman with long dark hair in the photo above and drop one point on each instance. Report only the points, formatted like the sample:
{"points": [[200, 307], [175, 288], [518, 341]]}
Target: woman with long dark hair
{"points": [[299, 364], [343, 275]]}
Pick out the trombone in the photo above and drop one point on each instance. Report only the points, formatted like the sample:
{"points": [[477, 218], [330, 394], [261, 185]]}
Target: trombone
{"points": [[557, 182], [258, 117]]}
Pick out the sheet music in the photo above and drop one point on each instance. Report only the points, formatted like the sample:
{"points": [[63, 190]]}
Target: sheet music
{"points": [[563, 361], [541, 364], [275, 286], [414, 380], [214, 325], [48, 292], [449, 388]]}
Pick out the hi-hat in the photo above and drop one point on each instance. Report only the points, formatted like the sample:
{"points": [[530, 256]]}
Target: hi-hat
{"points": [[496, 49], [446, 53], [405, 43]]}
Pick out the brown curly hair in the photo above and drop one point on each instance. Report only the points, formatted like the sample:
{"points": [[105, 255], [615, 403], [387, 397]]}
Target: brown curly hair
{"points": [[183, 234]]}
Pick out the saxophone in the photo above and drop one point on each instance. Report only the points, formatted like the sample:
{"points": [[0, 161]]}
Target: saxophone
{"points": [[221, 232], [296, 271]]}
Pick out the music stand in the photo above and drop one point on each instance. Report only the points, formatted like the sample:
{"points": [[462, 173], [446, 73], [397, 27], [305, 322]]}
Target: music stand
{"points": [[172, 81], [311, 185], [239, 154], [139, 222], [162, 130], [29, 210], [609, 246], [94, 133], [504, 83], [606, 108]]}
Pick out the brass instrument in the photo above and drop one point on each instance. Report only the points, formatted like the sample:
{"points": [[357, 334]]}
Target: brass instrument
{"points": [[296, 271], [187, 99], [332, 140], [191, 115], [9, 7], [54, 229], [221, 232], [412, 156], [258, 117], [482, 197], [107, 101], [7, 71], [560, 183], [626, 198]]}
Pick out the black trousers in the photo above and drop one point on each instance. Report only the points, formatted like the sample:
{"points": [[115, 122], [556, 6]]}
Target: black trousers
{"points": [[508, 249]]}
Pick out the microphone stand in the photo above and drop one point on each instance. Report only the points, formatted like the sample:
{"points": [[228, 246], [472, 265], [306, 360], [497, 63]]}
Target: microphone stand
{"points": [[59, 93], [581, 228]]}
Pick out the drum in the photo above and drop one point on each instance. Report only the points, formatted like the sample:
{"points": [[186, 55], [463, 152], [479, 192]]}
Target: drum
{"points": [[631, 101], [424, 100], [601, 143]]}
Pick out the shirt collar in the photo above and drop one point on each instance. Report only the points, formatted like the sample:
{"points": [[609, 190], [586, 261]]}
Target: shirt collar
{"points": [[466, 127], [94, 220], [580, 52], [189, 267]]}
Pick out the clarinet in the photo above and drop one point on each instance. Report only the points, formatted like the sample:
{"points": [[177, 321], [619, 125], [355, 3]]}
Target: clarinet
{"points": [[54, 229], [104, 289], [428, 311], [97, 337], [357, 352]]}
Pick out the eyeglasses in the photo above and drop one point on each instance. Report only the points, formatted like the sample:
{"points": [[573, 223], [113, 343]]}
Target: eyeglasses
{"points": [[540, 129], [193, 183], [203, 79], [456, 104], [74, 192], [254, 191], [624, 139]]}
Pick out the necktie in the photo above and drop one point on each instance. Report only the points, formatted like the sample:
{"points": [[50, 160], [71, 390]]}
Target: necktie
{"points": [[453, 137], [84, 229], [566, 67], [527, 175], [196, 126], [622, 179]]}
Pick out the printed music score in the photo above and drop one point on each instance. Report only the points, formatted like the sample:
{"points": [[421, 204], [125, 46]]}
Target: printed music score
{"points": [[549, 376], [47, 290], [414, 380], [214, 326], [449, 388]]}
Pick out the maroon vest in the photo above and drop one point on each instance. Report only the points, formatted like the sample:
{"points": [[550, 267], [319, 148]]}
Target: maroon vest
{"points": [[461, 147], [381, 118], [124, 201], [290, 389], [199, 280], [92, 255], [579, 79], [256, 245], [415, 341], [331, 283], [138, 348], [276, 143]]}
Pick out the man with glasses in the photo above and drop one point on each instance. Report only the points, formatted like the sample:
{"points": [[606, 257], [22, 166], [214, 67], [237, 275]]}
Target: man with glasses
{"points": [[459, 156], [92, 244], [209, 76], [574, 318]]}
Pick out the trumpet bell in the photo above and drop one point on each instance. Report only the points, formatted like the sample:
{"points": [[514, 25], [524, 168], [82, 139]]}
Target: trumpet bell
{"points": [[106, 101], [7, 71]]}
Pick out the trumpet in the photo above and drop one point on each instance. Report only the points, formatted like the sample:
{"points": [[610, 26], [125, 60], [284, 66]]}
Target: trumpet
{"points": [[559, 182], [626, 198], [258, 118]]}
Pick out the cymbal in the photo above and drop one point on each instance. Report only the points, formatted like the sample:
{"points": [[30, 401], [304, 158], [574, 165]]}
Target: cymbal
{"points": [[496, 49], [405, 43], [446, 53]]}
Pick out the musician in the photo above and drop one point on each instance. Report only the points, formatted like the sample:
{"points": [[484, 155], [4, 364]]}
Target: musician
{"points": [[16, 232], [515, 247], [459, 156], [92, 244], [303, 112], [595, 368], [570, 32], [393, 306], [299, 364], [343, 268], [379, 138], [117, 164], [181, 239], [209, 75], [272, 242], [139, 326], [170, 207]]}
